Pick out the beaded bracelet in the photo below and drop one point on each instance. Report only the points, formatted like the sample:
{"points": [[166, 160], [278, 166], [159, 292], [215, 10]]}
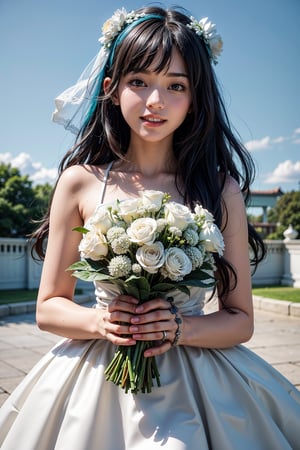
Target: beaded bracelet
{"points": [[178, 321]]}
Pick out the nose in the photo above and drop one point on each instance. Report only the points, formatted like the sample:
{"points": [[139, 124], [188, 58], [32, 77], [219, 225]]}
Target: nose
{"points": [[155, 99]]}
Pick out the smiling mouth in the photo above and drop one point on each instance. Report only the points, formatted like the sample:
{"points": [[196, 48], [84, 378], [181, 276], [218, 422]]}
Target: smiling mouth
{"points": [[153, 120]]}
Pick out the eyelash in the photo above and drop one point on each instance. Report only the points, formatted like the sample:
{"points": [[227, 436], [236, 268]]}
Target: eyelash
{"points": [[178, 87]]}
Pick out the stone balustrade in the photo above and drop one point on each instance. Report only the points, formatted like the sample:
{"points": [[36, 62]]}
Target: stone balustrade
{"points": [[18, 270]]}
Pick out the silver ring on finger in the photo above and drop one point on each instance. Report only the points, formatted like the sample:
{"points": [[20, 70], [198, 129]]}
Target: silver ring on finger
{"points": [[165, 334]]}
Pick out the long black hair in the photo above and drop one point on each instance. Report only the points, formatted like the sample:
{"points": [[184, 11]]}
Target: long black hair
{"points": [[205, 147]]}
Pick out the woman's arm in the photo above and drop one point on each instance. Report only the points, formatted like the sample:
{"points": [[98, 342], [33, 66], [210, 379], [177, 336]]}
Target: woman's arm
{"points": [[56, 310], [223, 329]]}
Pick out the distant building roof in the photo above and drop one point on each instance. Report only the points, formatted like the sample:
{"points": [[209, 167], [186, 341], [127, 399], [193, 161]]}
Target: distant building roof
{"points": [[264, 199], [272, 192]]}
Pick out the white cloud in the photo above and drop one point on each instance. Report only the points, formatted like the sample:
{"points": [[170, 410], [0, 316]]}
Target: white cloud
{"points": [[267, 142], [259, 144], [35, 170], [285, 172], [278, 140], [264, 143]]}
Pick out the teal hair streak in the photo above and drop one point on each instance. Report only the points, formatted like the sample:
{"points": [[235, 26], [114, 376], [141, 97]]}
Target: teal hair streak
{"points": [[127, 30], [99, 80]]}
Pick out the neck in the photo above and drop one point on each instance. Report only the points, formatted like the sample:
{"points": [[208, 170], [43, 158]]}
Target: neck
{"points": [[150, 159]]}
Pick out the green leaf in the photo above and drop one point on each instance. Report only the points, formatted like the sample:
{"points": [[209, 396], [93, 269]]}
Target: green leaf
{"points": [[79, 265], [87, 275], [81, 230], [92, 266], [164, 287], [198, 274], [138, 287]]}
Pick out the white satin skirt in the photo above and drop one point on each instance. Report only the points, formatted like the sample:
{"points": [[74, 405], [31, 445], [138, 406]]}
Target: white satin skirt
{"points": [[209, 399]]}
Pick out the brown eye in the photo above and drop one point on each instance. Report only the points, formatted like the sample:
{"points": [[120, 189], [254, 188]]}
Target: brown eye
{"points": [[177, 87], [137, 83]]}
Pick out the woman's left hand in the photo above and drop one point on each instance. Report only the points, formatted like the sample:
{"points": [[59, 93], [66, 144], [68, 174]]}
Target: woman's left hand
{"points": [[155, 321]]}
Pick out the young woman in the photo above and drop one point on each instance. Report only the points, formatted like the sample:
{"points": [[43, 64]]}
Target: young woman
{"points": [[149, 117]]}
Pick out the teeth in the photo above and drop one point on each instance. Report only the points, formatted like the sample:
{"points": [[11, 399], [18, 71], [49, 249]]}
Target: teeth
{"points": [[152, 119]]}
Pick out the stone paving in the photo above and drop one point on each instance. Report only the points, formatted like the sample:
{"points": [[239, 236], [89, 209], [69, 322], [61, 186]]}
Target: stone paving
{"points": [[276, 339]]}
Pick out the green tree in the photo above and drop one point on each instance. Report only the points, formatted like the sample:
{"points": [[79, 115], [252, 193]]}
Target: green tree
{"points": [[286, 212], [20, 203]]}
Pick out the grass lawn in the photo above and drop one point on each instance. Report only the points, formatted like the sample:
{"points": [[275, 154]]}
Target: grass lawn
{"points": [[286, 293], [17, 295], [276, 292], [21, 295]]}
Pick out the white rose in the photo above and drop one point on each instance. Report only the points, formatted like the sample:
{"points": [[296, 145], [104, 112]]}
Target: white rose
{"points": [[151, 256], [128, 209], [142, 231], [212, 239], [101, 219], [178, 215], [152, 200], [93, 245], [177, 264], [203, 213]]}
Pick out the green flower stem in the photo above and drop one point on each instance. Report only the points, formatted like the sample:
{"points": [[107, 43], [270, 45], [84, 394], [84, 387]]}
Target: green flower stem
{"points": [[155, 371], [130, 370]]}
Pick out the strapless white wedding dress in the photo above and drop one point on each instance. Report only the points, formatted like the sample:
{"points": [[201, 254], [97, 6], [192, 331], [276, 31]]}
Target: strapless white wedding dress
{"points": [[209, 399]]}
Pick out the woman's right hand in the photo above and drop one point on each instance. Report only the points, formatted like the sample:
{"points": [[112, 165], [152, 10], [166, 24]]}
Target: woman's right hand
{"points": [[115, 320]]}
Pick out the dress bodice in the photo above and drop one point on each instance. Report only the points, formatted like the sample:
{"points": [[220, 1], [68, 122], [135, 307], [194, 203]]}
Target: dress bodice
{"points": [[189, 305]]}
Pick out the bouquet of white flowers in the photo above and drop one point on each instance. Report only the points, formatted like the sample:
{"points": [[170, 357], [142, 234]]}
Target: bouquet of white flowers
{"points": [[147, 246]]}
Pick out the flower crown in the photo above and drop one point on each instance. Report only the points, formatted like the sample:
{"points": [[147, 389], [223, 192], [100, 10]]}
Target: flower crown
{"points": [[205, 29]]}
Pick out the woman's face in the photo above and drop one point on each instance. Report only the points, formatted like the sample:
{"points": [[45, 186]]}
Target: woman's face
{"points": [[154, 104]]}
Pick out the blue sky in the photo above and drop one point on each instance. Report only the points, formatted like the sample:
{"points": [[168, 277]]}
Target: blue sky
{"points": [[44, 47]]}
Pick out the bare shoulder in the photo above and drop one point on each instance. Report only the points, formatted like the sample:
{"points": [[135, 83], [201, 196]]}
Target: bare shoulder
{"points": [[231, 187], [78, 176], [234, 210], [81, 186], [232, 194]]}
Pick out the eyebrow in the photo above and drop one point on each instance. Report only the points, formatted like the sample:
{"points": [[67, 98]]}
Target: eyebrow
{"points": [[177, 74], [168, 74]]}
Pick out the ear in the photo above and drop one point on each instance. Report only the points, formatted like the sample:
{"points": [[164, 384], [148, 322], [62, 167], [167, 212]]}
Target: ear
{"points": [[106, 86]]}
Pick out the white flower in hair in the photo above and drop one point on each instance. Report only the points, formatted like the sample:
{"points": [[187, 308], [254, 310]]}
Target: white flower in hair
{"points": [[207, 31], [113, 26]]}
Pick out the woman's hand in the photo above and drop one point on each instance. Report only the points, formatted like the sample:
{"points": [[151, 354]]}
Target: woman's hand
{"points": [[154, 320], [114, 321], [125, 321]]}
